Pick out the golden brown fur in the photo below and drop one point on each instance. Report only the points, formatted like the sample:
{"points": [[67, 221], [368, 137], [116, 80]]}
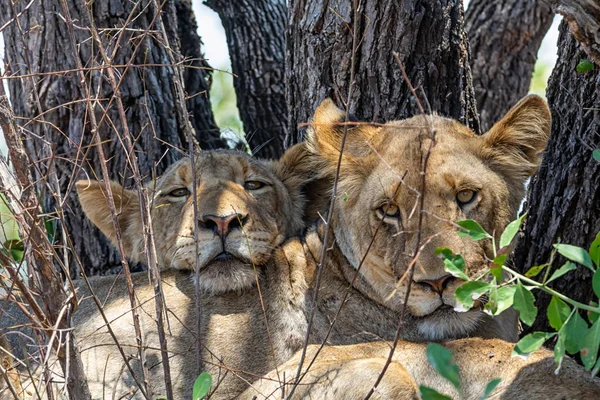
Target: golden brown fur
{"points": [[381, 168], [479, 360], [238, 348]]}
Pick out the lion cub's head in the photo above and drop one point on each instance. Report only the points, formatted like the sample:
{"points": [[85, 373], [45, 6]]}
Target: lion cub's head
{"points": [[246, 207], [467, 177]]}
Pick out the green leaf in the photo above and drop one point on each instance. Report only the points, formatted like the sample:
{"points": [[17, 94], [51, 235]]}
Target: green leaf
{"points": [[589, 346], [510, 231], [584, 66], [454, 263], [530, 343], [497, 270], [596, 155], [568, 266], [575, 329], [472, 229], [201, 386], [505, 298], [576, 254], [596, 368], [441, 359], [558, 312], [535, 270], [469, 291], [559, 351], [595, 246], [596, 282], [431, 394], [524, 302], [490, 387], [593, 316]]}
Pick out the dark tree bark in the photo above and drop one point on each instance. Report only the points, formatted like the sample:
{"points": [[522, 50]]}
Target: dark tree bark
{"points": [[40, 44], [255, 38], [564, 198], [428, 36], [583, 17], [505, 36]]}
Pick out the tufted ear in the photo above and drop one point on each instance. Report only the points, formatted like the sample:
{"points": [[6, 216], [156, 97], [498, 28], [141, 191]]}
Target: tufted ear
{"points": [[308, 187], [94, 202], [326, 132], [513, 146]]}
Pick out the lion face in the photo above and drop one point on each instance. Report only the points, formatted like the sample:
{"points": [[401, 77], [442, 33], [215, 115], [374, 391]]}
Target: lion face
{"points": [[245, 208], [467, 177]]}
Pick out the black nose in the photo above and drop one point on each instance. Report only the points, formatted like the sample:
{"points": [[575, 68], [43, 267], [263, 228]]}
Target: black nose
{"points": [[222, 225], [437, 285]]}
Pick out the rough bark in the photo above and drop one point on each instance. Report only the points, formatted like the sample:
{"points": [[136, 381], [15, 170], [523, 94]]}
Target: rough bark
{"points": [[583, 17], [505, 36], [255, 38], [39, 44], [564, 198], [428, 36]]}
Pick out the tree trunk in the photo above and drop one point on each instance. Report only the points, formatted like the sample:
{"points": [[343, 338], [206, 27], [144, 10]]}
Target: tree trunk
{"points": [[39, 44], [255, 38], [583, 17], [505, 36], [428, 36], [564, 198]]}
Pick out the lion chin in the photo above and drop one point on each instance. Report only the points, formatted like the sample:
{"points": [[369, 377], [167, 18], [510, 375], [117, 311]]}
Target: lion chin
{"points": [[445, 323], [226, 273]]}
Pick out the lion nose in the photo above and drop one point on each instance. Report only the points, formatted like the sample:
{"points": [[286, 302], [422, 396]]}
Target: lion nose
{"points": [[437, 285], [222, 225]]}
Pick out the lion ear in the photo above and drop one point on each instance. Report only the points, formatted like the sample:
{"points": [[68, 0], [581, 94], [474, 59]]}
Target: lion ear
{"points": [[513, 146], [308, 187], [327, 130], [94, 202]]}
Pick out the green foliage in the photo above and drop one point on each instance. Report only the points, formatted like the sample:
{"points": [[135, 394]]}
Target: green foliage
{"points": [[596, 155], [431, 394], [490, 387], [201, 386], [454, 263], [572, 334], [584, 66], [539, 79]]}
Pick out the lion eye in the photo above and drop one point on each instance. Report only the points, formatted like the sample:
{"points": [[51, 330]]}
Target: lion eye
{"points": [[390, 210], [180, 192], [465, 197], [253, 185]]}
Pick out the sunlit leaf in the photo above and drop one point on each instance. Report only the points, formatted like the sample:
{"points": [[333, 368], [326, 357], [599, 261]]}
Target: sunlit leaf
{"points": [[568, 266], [535, 270], [558, 312], [496, 269], [427, 393], [201, 386], [530, 343], [472, 229], [575, 329], [441, 359], [576, 254], [505, 298], [559, 351], [584, 66], [510, 231], [589, 346], [454, 263], [470, 291], [524, 302], [596, 282]]}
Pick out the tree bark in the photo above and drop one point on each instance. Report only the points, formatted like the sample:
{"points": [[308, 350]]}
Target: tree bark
{"points": [[255, 38], [505, 36], [583, 17], [564, 198], [428, 36], [38, 44]]}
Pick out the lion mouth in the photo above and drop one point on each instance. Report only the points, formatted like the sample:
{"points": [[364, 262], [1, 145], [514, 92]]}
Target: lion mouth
{"points": [[223, 256]]}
